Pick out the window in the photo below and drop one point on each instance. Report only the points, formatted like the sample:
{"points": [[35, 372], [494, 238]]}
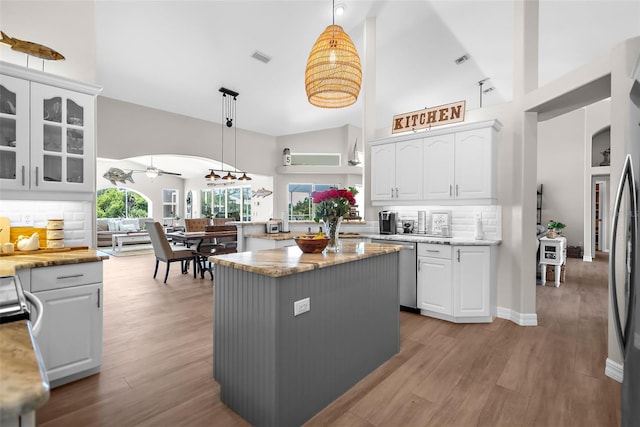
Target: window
{"points": [[169, 205], [121, 203], [300, 201], [227, 202]]}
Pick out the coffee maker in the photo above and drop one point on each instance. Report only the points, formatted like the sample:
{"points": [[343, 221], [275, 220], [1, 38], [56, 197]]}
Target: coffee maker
{"points": [[388, 222]]}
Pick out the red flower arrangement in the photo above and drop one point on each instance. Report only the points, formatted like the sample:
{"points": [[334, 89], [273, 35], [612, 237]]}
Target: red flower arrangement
{"points": [[332, 203]]}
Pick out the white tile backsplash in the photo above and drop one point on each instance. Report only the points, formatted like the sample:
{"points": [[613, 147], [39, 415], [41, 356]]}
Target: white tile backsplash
{"points": [[463, 218], [76, 215]]}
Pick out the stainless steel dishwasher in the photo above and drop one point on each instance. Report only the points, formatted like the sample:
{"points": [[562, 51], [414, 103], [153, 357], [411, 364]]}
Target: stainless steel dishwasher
{"points": [[407, 272]]}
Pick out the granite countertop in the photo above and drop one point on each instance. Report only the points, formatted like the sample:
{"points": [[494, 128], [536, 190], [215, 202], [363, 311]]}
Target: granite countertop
{"points": [[9, 264], [291, 235], [423, 238], [23, 381], [291, 260]]}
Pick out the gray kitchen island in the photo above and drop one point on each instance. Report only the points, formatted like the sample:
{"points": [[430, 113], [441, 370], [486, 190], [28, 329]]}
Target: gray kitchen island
{"points": [[276, 368]]}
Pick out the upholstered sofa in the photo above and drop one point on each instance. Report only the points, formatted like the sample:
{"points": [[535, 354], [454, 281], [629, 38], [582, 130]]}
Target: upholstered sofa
{"points": [[106, 227]]}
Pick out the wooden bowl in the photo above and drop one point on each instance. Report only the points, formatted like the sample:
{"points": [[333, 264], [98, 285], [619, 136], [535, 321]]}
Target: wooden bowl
{"points": [[311, 245]]}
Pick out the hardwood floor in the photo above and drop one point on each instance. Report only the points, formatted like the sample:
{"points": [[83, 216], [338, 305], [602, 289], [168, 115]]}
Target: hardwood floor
{"points": [[157, 367]]}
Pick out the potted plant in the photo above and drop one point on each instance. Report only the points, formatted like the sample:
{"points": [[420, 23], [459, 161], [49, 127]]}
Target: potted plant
{"points": [[554, 228]]}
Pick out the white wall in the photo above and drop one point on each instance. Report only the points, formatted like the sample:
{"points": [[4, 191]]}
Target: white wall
{"points": [[561, 154], [65, 26]]}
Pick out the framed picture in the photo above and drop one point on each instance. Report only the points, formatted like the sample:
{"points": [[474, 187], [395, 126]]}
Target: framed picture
{"points": [[440, 223]]}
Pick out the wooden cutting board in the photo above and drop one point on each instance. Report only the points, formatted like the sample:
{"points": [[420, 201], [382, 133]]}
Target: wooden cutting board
{"points": [[28, 231], [5, 227]]}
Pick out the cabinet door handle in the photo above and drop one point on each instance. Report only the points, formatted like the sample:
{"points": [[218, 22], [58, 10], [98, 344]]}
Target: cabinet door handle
{"points": [[37, 176], [419, 265], [458, 255], [392, 192], [456, 190], [23, 175], [71, 276], [397, 192], [98, 298], [450, 190], [433, 250]]}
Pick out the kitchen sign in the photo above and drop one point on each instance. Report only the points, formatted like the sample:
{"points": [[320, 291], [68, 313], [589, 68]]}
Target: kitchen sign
{"points": [[434, 116]]}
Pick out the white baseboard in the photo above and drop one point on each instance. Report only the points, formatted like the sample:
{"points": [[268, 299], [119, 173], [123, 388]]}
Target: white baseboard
{"points": [[522, 319], [587, 258], [613, 370]]}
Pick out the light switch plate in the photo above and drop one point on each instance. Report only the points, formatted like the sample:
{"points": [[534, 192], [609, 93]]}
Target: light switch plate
{"points": [[301, 306]]}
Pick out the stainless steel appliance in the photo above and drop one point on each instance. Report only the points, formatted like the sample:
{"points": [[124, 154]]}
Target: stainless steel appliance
{"points": [[387, 221], [407, 273], [627, 328], [408, 226], [272, 227], [13, 304]]}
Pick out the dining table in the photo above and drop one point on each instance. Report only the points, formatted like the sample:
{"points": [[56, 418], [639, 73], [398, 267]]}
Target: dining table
{"points": [[188, 237]]}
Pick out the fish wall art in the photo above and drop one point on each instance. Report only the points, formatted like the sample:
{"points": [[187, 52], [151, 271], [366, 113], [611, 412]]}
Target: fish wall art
{"points": [[114, 175], [31, 48]]}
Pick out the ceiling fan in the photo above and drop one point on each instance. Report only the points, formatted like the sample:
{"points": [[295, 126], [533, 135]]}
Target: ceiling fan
{"points": [[153, 172]]}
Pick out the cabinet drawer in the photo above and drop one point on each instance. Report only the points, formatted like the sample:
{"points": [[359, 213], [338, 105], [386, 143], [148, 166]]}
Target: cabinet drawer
{"points": [[65, 276], [434, 250]]}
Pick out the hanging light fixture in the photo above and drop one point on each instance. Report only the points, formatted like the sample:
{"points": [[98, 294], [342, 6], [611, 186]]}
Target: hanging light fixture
{"points": [[228, 115], [333, 75]]}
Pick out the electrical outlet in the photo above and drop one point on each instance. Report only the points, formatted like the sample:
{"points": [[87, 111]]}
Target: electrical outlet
{"points": [[27, 220], [301, 306]]}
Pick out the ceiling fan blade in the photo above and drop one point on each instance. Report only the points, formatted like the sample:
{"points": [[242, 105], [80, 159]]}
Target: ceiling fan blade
{"points": [[170, 173]]}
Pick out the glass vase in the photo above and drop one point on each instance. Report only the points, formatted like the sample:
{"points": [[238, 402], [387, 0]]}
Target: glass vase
{"points": [[332, 231]]}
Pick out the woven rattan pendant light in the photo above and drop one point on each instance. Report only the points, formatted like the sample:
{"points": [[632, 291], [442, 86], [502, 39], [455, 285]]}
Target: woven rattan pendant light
{"points": [[333, 75]]}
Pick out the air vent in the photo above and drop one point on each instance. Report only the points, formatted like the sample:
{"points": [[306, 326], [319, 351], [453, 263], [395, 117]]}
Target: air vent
{"points": [[261, 57], [463, 58]]}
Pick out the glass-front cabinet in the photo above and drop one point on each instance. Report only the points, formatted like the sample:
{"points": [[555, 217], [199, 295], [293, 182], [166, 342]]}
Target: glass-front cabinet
{"points": [[47, 132], [14, 133], [62, 148]]}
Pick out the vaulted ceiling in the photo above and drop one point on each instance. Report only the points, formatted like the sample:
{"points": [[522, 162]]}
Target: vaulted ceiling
{"points": [[175, 55]]}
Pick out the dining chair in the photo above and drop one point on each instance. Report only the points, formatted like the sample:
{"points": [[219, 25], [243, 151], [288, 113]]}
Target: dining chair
{"points": [[221, 245], [165, 253]]}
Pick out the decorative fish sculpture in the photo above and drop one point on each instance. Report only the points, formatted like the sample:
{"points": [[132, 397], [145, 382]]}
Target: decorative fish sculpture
{"points": [[30, 48], [261, 192], [118, 175]]}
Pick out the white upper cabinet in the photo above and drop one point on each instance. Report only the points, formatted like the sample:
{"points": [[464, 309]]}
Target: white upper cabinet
{"points": [[439, 164], [453, 165], [47, 134], [396, 171]]}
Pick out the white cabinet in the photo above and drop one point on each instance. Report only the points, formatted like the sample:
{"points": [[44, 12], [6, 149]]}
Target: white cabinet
{"points": [[457, 283], [70, 338], [460, 166], [397, 171], [434, 278], [47, 132], [452, 165], [472, 281], [253, 244]]}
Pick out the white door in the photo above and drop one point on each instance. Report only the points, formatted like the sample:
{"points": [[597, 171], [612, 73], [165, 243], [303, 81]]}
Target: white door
{"points": [[409, 170], [434, 285], [438, 176], [62, 139], [70, 339], [473, 174], [14, 133], [471, 281], [383, 171]]}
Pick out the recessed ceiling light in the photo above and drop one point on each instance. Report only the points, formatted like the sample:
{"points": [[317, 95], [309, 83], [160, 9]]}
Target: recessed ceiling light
{"points": [[339, 9], [262, 57], [463, 58]]}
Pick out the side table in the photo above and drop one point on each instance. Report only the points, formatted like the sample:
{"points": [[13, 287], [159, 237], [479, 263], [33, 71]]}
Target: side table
{"points": [[553, 252]]}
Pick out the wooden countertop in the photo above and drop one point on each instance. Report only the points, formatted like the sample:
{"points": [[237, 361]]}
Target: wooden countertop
{"points": [[9, 264], [23, 382], [291, 260]]}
